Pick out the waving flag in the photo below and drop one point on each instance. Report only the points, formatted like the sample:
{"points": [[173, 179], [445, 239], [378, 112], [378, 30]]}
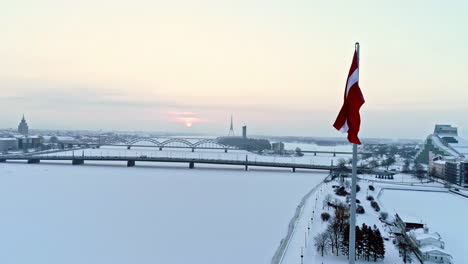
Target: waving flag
{"points": [[349, 120]]}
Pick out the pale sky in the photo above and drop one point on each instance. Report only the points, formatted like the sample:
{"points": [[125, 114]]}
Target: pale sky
{"points": [[278, 66]]}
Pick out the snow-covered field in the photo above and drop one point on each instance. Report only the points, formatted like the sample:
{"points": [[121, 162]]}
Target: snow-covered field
{"points": [[113, 214], [444, 213]]}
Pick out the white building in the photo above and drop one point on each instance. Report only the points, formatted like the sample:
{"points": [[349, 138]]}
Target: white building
{"points": [[422, 238], [430, 246], [432, 254]]}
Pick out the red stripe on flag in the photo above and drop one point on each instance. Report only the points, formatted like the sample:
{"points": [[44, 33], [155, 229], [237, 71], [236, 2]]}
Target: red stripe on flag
{"points": [[348, 118]]}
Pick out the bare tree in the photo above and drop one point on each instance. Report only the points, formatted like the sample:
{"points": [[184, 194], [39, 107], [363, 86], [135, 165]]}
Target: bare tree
{"points": [[328, 200], [321, 242], [334, 235], [347, 184], [405, 250]]}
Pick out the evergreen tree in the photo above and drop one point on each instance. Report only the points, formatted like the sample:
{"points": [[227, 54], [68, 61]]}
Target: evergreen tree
{"points": [[345, 240], [359, 242], [366, 237], [380, 249], [372, 241]]}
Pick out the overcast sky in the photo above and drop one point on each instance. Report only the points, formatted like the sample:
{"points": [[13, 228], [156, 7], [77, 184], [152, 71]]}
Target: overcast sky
{"points": [[278, 66]]}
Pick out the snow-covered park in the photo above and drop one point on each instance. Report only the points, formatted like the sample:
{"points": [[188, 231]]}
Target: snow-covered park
{"points": [[442, 212], [114, 214]]}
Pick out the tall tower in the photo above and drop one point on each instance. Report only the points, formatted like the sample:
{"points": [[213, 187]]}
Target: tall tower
{"points": [[231, 129], [23, 127]]}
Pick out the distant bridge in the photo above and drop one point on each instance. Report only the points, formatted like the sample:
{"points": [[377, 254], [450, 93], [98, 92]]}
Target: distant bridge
{"points": [[77, 160], [315, 152], [168, 143]]}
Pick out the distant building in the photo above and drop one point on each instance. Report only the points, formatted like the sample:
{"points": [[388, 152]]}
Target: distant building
{"points": [[23, 128], [8, 144], [244, 132], [445, 130], [277, 147], [456, 172], [444, 142], [436, 166], [29, 142]]}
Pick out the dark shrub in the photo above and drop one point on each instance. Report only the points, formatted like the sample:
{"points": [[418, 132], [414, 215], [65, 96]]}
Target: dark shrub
{"points": [[325, 216], [357, 201], [370, 198], [375, 205], [360, 209], [383, 215], [358, 188], [341, 191], [371, 187]]}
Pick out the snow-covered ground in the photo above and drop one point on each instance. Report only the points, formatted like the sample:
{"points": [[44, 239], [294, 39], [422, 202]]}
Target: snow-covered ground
{"points": [[113, 214], [445, 213], [303, 238], [431, 202]]}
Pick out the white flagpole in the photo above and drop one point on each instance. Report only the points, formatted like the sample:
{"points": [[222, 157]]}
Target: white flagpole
{"points": [[352, 220]]}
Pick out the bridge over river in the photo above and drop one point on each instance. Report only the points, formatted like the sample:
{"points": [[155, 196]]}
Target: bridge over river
{"points": [[191, 161]]}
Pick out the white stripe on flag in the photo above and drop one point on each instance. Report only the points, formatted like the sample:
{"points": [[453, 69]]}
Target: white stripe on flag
{"points": [[345, 127], [353, 78]]}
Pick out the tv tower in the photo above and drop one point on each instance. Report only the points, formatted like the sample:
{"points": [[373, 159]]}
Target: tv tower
{"points": [[231, 129]]}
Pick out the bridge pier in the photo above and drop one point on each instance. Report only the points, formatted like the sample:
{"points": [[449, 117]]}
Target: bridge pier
{"points": [[191, 165], [32, 161], [97, 146], [130, 163], [334, 154], [315, 153], [129, 147], [293, 169], [193, 149], [246, 163], [77, 161], [160, 148], [225, 150]]}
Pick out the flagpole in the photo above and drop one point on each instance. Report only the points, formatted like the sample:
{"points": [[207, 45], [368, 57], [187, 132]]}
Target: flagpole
{"points": [[352, 220]]}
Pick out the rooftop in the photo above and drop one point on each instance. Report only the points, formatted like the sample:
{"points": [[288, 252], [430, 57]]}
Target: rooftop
{"points": [[429, 248]]}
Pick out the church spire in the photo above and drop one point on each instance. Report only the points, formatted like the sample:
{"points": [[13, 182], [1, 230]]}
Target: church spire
{"points": [[231, 129]]}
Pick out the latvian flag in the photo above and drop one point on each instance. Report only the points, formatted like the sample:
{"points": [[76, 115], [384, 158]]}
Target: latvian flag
{"points": [[348, 119]]}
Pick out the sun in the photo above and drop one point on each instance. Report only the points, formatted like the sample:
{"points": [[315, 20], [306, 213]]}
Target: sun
{"points": [[188, 124]]}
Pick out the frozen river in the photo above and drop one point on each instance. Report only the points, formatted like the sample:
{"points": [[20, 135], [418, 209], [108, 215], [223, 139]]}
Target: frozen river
{"points": [[113, 214]]}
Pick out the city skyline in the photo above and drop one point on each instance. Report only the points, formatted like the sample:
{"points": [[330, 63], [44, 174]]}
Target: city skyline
{"points": [[279, 68]]}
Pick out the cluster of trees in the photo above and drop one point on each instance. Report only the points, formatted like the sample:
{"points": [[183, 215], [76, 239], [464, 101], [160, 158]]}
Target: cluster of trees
{"points": [[387, 162], [332, 237], [404, 150], [249, 144], [369, 241]]}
